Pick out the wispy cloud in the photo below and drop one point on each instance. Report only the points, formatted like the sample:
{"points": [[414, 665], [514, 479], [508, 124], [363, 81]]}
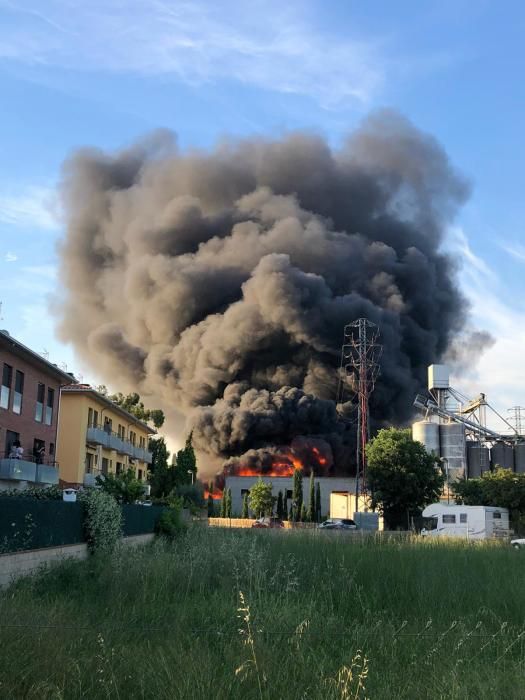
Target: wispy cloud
{"points": [[516, 250], [500, 372], [29, 207], [270, 46], [10, 257]]}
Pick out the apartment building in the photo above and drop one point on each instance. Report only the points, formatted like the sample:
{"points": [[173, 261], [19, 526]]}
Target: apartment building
{"points": [[98, 437], [29, 408]]}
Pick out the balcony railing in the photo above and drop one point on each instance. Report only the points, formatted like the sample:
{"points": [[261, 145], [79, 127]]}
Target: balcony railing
{"points": [[100, 435], [29, 468]]}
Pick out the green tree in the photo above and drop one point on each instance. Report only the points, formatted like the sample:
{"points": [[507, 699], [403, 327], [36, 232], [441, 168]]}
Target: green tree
{"points": [[245, 508], [185, 464], [261, 499], [501, 488], [402, 477], [297, 494], [125, 487], [223, 504], [228, 507], [311, 503], [133, 404], [162, 476], [318, 514], [279, 508], [285, 506], [211, 507]]}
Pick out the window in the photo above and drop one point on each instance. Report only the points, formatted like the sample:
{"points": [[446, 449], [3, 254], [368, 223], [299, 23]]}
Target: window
{"points": [[244, 492], [289, 493], [119, 467], [105, 465], [140, 474], [142, 442], [108, 425], [132, 437], [7, 378], [463, 518], [496, 516], [51, 449], [89, 463], [121, 432], [449, 520], [90, 418], [19, 390], [49, 406], [39, 410]]}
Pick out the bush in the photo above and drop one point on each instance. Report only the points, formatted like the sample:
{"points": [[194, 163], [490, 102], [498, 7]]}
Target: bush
{"points": [[103, 520], [125, 488], [170, 523], [51, 493]]}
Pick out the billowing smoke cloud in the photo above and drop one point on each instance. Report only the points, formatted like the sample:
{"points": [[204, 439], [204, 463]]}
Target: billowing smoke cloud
{"points": [[218, 283]]}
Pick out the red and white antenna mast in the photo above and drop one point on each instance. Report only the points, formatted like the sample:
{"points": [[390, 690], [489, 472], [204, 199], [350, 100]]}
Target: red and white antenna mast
{"points": [[360, 357]]}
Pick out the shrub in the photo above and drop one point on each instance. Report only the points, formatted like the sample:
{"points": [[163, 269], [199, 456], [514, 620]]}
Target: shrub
{"points": [[125, 488], [51, 493], [103, 520], [170, 523]]}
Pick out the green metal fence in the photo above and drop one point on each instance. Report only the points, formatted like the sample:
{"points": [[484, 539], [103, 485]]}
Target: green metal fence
{"points": [[33, 524], [139, 520], [27, 523]]}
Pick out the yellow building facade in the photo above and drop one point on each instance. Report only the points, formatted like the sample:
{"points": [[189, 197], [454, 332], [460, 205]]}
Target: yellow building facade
{"points": [[97, 437]]}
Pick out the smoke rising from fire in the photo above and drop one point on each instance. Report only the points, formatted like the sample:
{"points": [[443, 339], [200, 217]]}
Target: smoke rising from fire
{"points": [[218, 283]]}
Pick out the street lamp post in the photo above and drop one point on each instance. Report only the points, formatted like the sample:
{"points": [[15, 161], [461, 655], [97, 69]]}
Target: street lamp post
{"points": [[192, 475], [445, 461]]}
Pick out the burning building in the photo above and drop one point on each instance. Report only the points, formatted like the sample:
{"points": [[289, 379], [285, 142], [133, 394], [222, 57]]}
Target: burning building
{"points": [[217, 284]]}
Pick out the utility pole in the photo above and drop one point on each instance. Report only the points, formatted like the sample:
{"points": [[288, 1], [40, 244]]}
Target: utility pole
{"points": [[517, 418], [360, 357]]}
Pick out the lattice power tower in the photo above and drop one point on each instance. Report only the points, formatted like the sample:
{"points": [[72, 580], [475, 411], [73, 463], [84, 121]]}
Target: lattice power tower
{"points": [[360, 357]]}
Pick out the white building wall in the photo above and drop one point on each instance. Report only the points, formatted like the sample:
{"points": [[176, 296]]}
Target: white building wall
{"points": [[238, 484]]}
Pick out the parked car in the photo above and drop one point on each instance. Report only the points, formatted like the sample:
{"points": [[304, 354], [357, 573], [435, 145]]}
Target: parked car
{"points": [[268, 522], [338, 524], [519, 543]]}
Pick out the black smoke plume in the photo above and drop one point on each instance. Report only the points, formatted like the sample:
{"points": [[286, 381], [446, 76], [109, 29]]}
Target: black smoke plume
{"points": [[218, 283]]}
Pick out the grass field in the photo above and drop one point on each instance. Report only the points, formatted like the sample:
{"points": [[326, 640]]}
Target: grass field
{"points": [[276, 615]]}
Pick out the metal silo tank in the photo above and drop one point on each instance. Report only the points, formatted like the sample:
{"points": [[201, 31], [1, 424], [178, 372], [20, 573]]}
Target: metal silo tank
{"points": [[453, 448], [519, 458], [478, 459], [427, 432], [502, 455]]}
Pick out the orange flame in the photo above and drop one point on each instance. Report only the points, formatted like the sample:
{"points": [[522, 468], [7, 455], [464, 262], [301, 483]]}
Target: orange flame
{"points": [[216, 494]]}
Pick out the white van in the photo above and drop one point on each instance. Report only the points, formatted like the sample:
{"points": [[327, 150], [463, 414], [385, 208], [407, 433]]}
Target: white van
{"points": [[471, 522]]}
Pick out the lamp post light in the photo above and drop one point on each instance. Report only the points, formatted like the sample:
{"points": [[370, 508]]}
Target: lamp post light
{"points": [[192, 475], [445, 461]]}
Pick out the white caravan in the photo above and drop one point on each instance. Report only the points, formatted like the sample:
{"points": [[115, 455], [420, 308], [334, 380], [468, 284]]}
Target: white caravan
{"points": [[471, 522]]}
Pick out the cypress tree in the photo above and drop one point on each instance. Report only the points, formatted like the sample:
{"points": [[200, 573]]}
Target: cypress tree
{"points": [[211, 508], [311, 503], [280, 505], [297, 494], [223, 504], [304, 513], [285, 506], [318, 503], [245, 511], [228, 504]]}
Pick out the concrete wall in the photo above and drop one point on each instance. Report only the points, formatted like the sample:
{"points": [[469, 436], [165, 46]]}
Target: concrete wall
{"points": [[12, 566], [238, 484]]}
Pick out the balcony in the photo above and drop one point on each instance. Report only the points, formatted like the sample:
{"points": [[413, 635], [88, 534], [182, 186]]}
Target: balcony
{"points": [[26, 469], [142, 454], [98, 435]]}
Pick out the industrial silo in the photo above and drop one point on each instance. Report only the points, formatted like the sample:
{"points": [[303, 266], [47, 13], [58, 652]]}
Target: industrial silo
{"points": [[519, 458], [453, 449], [478, 459], [427, 432], [502, 455]]}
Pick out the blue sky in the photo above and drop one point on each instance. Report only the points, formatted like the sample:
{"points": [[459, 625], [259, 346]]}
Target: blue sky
{"points": [[103, 72]]}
